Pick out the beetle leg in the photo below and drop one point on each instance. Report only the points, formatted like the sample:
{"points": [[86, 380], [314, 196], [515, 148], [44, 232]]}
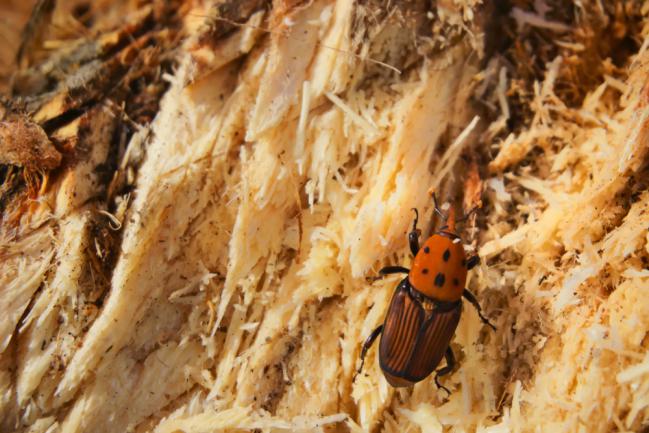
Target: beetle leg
{"points": [[413, 236], [393, 270], [472, 299], [450, 364], [366, 346], [472, 262]]}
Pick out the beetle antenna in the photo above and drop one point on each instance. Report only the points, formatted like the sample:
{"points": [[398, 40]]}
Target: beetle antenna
{"points": [[437, 209], [468, 214]]}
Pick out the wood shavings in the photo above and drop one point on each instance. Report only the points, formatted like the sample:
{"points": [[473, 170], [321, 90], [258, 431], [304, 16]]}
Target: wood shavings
{"points": [[116, 224], [356, 118], [522, 17], [301, 126], [452, 154]]}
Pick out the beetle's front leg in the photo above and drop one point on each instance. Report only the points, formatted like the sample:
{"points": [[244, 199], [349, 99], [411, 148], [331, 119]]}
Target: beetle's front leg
{"points": [[389, 270], [413, 236], [366, 346], [393, 270], [450, 364], [472, 299]]}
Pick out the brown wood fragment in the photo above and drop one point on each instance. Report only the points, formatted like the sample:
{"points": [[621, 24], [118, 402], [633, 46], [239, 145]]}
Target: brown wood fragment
{"points": [[35, 30], [472, 188], [25, 144]]}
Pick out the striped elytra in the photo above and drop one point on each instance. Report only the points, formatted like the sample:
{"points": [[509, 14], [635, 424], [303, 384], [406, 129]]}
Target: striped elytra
{"points": [[415, 338]]}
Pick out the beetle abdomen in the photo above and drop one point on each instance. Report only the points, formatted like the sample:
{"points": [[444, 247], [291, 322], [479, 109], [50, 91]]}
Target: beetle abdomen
{"points": [[415, 337]]}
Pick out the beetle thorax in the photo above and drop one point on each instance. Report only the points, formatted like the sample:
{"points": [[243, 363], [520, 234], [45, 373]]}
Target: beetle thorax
{"points": [[439, 269]]}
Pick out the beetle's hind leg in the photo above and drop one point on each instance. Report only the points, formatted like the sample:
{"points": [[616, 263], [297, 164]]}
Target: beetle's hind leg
{"points": [[366, 346], [450, 364], [472, 299]]}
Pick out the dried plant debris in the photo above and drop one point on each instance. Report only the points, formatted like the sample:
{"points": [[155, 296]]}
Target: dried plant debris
{"points": [[24, 144], [196, 198], [120, 70], [33, 34], [25, 149]]}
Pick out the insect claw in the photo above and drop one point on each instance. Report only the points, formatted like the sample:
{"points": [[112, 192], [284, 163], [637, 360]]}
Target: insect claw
{"points": [[440, 386], [358, 371], [469, 213]]}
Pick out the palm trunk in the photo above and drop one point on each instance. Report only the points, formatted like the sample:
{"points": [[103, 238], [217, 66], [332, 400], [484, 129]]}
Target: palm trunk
{"points": [[196, 197]]}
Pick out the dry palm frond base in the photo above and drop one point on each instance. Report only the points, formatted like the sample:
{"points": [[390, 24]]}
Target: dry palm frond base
{"points": [[191, 229]]}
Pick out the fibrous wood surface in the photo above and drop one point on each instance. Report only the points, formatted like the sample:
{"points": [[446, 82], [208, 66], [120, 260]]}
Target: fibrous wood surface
{"points": [[197, 196]]}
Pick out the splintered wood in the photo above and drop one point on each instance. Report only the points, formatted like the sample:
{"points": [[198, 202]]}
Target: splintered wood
{"points": [[196, 199]]}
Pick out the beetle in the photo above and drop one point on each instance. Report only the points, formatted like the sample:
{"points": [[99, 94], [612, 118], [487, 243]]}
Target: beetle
{"points": [[425, 308]]}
